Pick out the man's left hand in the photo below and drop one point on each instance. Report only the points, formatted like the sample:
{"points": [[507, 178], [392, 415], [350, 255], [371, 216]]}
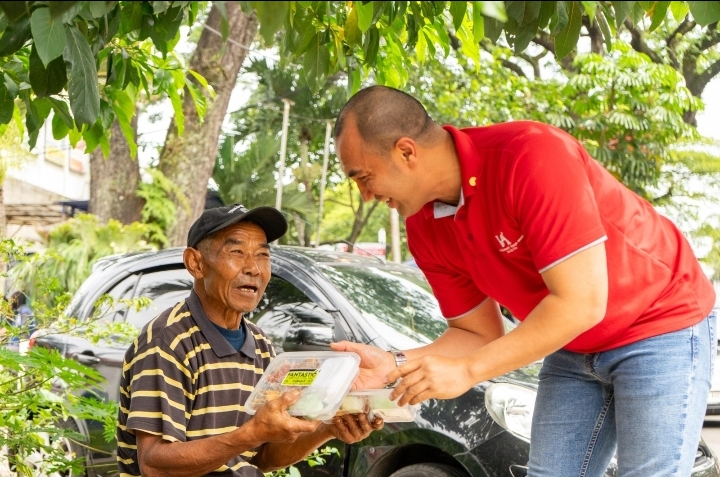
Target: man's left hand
{"points": [[430, 377], [351, 428]]}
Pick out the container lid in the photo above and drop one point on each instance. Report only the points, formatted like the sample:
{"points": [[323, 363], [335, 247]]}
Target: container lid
{"points": [[324, 377], [377, 402]]}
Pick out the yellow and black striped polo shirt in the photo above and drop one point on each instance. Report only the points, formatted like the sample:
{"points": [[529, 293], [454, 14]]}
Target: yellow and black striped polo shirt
{"points": [[182, 380]]}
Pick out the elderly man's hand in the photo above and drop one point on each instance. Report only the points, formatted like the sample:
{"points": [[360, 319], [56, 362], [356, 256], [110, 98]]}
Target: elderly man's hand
{"points": [[351, 428], [272, 423]]}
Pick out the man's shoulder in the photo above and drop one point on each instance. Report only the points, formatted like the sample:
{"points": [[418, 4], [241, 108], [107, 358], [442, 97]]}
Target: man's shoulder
{"points": [[167, 325], [261, 338]]}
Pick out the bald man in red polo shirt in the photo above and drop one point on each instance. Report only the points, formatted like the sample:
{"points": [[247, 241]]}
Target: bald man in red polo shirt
{"points": [[608, 291]]}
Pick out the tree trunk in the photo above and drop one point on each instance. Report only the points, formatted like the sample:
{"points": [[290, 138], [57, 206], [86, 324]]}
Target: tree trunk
{"points": [[114, 181], [188, 160], [361, 220]]}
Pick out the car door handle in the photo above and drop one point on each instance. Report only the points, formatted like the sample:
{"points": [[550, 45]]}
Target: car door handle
{"points": [[86, 359]]}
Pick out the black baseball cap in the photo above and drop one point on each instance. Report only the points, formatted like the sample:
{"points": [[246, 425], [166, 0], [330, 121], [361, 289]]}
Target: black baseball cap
{"points": [[269, 219]]}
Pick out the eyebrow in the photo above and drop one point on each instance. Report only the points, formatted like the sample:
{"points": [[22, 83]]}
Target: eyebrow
{"points": [[234, 241]]}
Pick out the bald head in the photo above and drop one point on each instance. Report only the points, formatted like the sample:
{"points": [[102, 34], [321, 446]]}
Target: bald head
{"points": [[382, 115]]}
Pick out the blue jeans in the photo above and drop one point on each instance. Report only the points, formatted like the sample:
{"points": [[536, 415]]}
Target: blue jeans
{"points": [[646, 399]]}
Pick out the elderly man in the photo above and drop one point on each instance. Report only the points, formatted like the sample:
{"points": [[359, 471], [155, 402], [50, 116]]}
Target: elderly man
{"points": [[187, 375], [608, 291]]}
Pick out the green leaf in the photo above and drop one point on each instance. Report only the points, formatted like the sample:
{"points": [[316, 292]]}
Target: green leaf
{"points": [[56, 9], [316, 65], [46, 81], [705, 13], [353, 35], [371, 45], [131, 17], [14, 10], [478, 23], [566, 40], [271, 16], [421, 47], [365, 14], [679, 10], [48, 35], [560, 19], [457, 11], [493, 28], [590, 8], [124, 107], [7, 104], [659, 12], [622, 10], [605, 29], [62, 111], [100, 9], [179, 117], [15, 36], [494, 10], [59, 128], [82, 83]]}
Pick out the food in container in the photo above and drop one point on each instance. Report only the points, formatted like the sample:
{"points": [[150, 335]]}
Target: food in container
{"points": [[324, 377], [377, 402]]}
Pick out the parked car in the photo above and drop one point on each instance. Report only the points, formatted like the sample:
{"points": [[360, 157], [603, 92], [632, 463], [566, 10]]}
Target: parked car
{"points": [[314, 297]]}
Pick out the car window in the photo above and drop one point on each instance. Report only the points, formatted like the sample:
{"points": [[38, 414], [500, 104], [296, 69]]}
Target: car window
{"points": [[165, 288], [120, 291], [396, 302], [291, 319]]}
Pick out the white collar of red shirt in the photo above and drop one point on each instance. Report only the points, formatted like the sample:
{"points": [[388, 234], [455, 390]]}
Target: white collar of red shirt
{"points": [[442, 210]]}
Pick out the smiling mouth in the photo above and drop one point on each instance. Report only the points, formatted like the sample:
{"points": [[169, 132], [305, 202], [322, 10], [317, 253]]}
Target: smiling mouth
{"points": [[247, 288]]}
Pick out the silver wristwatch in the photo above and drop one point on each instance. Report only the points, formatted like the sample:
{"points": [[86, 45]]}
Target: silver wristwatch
{"points": [[400, 359]]}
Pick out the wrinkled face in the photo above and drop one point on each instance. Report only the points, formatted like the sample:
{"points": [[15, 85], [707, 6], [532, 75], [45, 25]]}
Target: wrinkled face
{"points": [[236, 266], [387, 178]]}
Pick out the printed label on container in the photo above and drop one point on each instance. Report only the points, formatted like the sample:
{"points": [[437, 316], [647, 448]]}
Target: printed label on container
{"points": [[300, 377]]}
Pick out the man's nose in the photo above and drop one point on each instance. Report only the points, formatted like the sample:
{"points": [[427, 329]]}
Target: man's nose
{"points": [[365, 193], [250, 266]]}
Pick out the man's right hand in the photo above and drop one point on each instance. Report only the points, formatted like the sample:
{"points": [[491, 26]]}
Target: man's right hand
{"points": [[375, 364], [272, 423]]}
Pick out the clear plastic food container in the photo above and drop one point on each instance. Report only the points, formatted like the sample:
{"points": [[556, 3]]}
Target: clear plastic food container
{"points": [[325, 377], [377, 403]]}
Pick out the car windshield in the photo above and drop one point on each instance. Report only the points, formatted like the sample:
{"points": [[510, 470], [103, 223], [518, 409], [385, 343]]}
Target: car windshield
{"points": [[396, 302]]}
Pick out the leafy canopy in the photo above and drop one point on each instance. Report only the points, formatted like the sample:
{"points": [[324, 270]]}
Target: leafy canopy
{"points": [[86, 62]]}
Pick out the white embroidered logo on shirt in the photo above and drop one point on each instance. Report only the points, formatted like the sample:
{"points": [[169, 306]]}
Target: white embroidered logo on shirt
{"points": [[506, 245]]}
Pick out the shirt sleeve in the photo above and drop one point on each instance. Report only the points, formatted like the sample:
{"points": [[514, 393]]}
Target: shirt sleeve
{"points": [[158, 401], [443, 266], [553, 199]]}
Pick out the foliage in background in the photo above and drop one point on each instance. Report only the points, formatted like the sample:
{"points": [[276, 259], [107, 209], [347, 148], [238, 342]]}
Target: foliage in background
{"points": [[72, 249], [317, 457], [87, 62], [31, 413], [159, 210], [12, 151], [327, 37], [58, 48]]}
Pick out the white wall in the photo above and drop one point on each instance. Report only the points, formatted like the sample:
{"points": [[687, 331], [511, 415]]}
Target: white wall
{"points": [[57, 167]]}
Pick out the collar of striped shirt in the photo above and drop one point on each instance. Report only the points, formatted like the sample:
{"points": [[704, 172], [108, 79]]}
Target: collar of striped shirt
{"points": [[219, 344]]}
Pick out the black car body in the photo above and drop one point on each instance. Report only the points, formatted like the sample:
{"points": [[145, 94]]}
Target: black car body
{"points": [[315, 297]]}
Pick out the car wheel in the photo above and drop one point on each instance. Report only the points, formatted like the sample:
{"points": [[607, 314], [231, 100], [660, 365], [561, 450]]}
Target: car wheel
{"points": [[34, 460], [428, 470]]}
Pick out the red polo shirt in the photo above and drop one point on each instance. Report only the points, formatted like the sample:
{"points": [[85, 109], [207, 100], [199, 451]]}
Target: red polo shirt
{"points": [[533, 197]]}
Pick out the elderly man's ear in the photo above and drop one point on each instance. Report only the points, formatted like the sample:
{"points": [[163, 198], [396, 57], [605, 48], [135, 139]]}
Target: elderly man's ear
{"points": [[192, 258]]}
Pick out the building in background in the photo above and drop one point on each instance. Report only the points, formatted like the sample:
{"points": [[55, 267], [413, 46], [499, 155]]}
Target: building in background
{"points": [[45, 191]]}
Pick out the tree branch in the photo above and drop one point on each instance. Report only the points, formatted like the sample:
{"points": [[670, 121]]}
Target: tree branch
{"points": [[543, 39], [534, 62], [682, 28], [639, 44], [712, 38], [506, 63]]}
